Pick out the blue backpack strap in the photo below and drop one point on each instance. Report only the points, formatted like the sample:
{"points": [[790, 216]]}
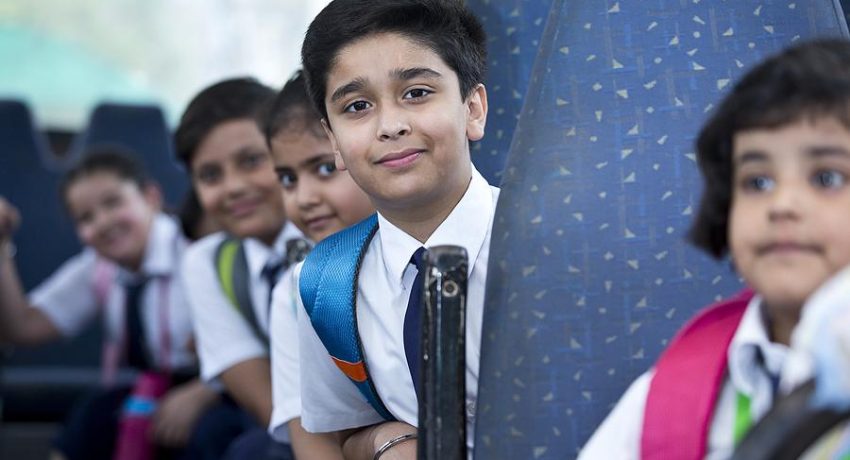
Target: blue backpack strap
{"points": [[328, 287]]}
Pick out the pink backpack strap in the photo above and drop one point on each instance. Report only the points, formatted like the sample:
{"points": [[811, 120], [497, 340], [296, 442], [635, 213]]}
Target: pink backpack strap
{"points": [[102, 279], [686, 383]]}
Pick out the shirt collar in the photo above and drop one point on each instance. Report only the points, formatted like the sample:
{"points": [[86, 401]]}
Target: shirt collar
{"points": [[465, 226], [751, 351], [258, 254], [164, 243]]}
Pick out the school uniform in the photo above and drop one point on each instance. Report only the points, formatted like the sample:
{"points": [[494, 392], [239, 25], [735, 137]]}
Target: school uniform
{"points": [[286, 375], [150, 329], [755, 367], [87, 285], [330, 402], [820, 347], [224, 338]]}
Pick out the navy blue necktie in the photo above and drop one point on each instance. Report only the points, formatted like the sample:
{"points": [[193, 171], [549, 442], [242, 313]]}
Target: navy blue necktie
{"points": [[271, 274], [137, 356], [413, 319]]}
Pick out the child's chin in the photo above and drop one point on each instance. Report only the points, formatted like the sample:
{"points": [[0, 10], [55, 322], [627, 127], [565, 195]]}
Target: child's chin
{"points": [[126, 258], [253, 228]]}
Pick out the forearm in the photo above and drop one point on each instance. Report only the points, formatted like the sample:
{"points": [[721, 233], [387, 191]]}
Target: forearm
{"points": [[364, 443], [306, 445], [20, 324], [249, 383]]}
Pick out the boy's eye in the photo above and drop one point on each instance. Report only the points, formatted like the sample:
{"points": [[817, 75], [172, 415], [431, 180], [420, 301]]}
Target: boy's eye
{"points": [[417, 93], [326, 169], [757, 183], [208, 176], [83, 218], [251, 160], [111, 201], [287, 178], [829, 179], [356, 106]]}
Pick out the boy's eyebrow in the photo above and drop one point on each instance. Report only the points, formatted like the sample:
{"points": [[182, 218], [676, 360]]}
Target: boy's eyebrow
{"points": [[397, 74], [827, 151], [313, 160], [318, 158], [353, 86], [750, 156], [415, 72]]}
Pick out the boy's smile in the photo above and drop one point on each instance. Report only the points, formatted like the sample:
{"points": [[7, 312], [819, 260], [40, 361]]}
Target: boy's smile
{"points": [[789, 228], [234, 178], [319, 200], [113, 216], [398, 123]]}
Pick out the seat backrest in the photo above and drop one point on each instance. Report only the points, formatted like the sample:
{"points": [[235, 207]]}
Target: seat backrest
{"points": [[46, 237], [513, 36], [589, 273], [142, 129]]}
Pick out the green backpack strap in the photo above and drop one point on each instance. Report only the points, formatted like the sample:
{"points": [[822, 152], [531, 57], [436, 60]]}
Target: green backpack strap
{"points": [[232, 268]]}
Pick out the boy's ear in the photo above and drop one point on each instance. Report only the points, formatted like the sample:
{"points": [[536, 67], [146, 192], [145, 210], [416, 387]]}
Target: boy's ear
{"points": [[476, 119], [153, 195], [338, 162]]}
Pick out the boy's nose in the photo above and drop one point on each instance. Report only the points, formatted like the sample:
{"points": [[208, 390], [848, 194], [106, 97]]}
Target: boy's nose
{"points": [[101, 223], [785, 203], [234, 183], [306, 195], [393, 124]]}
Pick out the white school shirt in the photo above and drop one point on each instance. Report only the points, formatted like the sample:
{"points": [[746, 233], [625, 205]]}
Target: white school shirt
{"points": [[823, 337], [619, 434], [224, 338], [330, 401], [71, 296], [286, 381], [823, 330]]}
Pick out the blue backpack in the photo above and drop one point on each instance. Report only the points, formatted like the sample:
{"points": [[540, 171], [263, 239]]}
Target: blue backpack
{"points": [[328, 287]]}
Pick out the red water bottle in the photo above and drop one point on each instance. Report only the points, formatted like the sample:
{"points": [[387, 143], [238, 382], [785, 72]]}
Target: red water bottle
{"points": [[133, 441]]}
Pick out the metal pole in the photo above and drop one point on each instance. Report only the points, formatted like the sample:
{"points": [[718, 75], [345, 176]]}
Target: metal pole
{"points": [[442, 407]]}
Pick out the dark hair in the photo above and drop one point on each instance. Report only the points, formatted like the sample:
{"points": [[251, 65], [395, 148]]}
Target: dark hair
{"points": [[446, 27], [191, 215], [807, 81], [227, 100], [292, 105], [108, 158]]}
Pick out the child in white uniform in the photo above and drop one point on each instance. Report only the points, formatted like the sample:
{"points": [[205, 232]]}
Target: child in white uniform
{"points": [[320, 201], [776, 161], [131, 246], [220, 143], [399, 87]]}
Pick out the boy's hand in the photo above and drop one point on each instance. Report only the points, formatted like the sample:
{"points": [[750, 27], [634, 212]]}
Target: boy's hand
{"points": [[405, 450], [363, 444], [178, 411], [10, 219]]}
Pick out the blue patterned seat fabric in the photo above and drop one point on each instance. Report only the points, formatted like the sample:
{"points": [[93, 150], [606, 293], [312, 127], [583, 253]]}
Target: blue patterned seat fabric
{"points": [[589, 272], [513, 31]]}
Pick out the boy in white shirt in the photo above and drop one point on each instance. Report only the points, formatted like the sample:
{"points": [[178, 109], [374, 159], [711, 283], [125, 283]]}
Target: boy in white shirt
{"points": [[320, 201], [229, 275], [399, 87], [128, 275]]}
